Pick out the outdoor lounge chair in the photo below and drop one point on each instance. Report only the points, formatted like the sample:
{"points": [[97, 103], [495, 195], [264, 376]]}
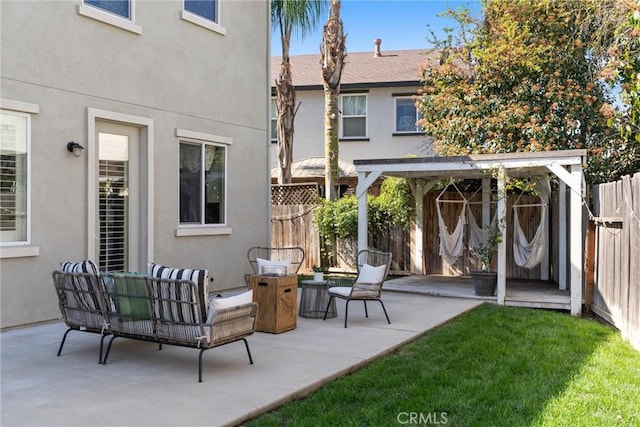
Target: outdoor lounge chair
{"points": [[373, 267], [290, 257]]}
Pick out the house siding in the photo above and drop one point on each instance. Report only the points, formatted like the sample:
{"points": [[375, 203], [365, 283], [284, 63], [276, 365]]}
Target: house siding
{"points": [[381, 143], [174, 74]]}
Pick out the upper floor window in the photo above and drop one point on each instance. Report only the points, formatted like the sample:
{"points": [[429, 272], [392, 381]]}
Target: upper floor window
{"points": [[407, 115], [354, 116], [204, 8], [15, 131], [203, 183], [274, 121], [121, 8]]}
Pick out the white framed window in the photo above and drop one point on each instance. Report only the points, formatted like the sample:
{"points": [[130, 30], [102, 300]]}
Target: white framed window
{"points": [[354, 116], [203, 179], [274, 121], [119, 13], [205, 13], [406, 115], [15, 178], [121, 8]]}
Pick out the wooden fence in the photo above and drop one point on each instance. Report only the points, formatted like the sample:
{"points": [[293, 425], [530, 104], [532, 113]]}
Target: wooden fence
{"points": [[292, 225], [613, 275]]}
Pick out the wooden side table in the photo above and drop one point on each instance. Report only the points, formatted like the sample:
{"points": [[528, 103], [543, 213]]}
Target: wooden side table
{"points": [[277, 298], [314, 298]]}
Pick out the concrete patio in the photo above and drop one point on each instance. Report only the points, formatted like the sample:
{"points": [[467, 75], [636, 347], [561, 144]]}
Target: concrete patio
{"points": [[141, 386]]}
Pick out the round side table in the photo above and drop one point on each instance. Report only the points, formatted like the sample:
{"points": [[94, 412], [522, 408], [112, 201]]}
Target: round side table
{"points": [[314, 298]]}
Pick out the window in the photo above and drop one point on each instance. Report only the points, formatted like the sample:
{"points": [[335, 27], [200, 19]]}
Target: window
{"points": [[14, 177], [354, 116], [274, 121], [121, 8], [407, 115], [204, 8], [202, 183]]}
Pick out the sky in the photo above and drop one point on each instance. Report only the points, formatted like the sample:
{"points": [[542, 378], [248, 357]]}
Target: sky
{"points": [[401, 24]]}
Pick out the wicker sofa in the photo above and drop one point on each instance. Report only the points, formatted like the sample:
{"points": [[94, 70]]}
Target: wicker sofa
{"points": [[155, 309]]}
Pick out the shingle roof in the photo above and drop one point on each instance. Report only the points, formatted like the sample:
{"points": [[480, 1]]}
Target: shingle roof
{"points": [[313, 167], [360, 68]]}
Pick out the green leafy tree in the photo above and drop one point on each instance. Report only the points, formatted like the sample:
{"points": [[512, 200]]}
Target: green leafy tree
{"points": [[622, 72], [523, 81]]}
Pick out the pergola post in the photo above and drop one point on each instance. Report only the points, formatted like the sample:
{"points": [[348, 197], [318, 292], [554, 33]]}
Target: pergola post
{"points": [[502, 246], [364, 182], [576, 236], [417, 244], [562, 236]]}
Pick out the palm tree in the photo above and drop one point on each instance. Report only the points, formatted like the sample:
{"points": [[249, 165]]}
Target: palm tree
{"points": [[289, 16], [333, 52]]}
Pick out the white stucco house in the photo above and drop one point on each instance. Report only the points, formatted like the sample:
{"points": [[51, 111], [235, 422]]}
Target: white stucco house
{"points": [[131, 131], [378, 115]]}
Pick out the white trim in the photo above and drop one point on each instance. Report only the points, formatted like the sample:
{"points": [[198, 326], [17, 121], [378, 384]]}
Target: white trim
{"points": [[23, 107], [366, 116], [27, 117], [146, 141], [19, 251], [204, 22], [201, 136], [208, 230], [110, 18]]}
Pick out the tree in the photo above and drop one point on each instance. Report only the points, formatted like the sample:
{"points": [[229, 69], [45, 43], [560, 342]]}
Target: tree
{"points": [[523, 83], [289, 16], [333, 52], [622, 73]]}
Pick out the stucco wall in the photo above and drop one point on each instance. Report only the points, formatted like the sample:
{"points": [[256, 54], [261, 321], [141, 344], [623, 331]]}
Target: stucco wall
{"points": [[382, 144], [177, 74]]}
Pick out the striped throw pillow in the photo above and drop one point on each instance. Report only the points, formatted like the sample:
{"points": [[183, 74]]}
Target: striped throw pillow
{"points": [[86, 266], [198, 276]]}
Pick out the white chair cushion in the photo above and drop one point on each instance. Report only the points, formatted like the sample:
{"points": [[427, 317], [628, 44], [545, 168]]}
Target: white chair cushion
{"points": [[266, 262], [217, 303], [344, 291], [371, 274], [86, 266]]}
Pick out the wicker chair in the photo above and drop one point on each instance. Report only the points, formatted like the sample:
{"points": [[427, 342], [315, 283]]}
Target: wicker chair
{"points": [[81, 305], [361, 288], [295, 254]]}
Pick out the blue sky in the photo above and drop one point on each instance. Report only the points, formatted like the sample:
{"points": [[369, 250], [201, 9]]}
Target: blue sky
{"points": [[401, 24]]}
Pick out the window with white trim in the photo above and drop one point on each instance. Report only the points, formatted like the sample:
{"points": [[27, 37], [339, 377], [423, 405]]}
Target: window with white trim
{"points": [[354, 116], [15, 152], [203, 183], [206, 9], [121, 8], [274, 121], [407, 115]]}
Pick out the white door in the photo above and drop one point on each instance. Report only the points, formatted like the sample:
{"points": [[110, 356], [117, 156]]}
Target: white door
{"points": [[119, 197]]}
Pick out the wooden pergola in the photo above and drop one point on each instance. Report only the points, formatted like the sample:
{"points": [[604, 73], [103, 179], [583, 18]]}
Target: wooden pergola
{"points": [[425, 172]]}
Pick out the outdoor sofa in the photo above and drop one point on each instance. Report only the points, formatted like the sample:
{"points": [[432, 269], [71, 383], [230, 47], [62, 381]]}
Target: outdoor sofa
{"points": [[161, 307]]}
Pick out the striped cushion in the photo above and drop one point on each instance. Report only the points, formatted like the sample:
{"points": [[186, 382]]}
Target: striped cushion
{"points": [[199, 277], [86, 266]]}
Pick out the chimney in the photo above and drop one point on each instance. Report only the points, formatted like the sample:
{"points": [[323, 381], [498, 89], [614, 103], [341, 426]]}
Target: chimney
{"points": [[377, 43]]}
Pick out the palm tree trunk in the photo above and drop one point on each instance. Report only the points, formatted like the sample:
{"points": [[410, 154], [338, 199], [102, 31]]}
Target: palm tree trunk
{"points": [[333, 53], [285, 113]]}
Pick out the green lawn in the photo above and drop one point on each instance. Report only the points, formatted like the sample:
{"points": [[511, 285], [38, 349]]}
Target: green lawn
{"points": [[492, 366]]}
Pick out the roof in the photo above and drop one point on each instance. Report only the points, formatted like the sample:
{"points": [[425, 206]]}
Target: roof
{"points": [[313, 167], [393, 68]]}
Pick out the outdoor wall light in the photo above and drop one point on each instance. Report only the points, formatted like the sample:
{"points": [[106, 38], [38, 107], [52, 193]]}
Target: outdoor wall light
{"points": [[75, 148]]}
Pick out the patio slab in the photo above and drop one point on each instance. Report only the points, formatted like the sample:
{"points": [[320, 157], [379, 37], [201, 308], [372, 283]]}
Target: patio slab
{"points": [[142, 386]]}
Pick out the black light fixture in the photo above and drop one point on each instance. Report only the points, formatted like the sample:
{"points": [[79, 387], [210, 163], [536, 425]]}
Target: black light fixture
{"points": [[75, 148]]}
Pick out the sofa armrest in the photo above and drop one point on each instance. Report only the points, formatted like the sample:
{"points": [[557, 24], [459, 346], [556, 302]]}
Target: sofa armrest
{"points": [[229, 324]]}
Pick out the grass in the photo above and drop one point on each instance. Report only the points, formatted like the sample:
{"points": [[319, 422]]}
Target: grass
{"points": [[492, 366]]}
